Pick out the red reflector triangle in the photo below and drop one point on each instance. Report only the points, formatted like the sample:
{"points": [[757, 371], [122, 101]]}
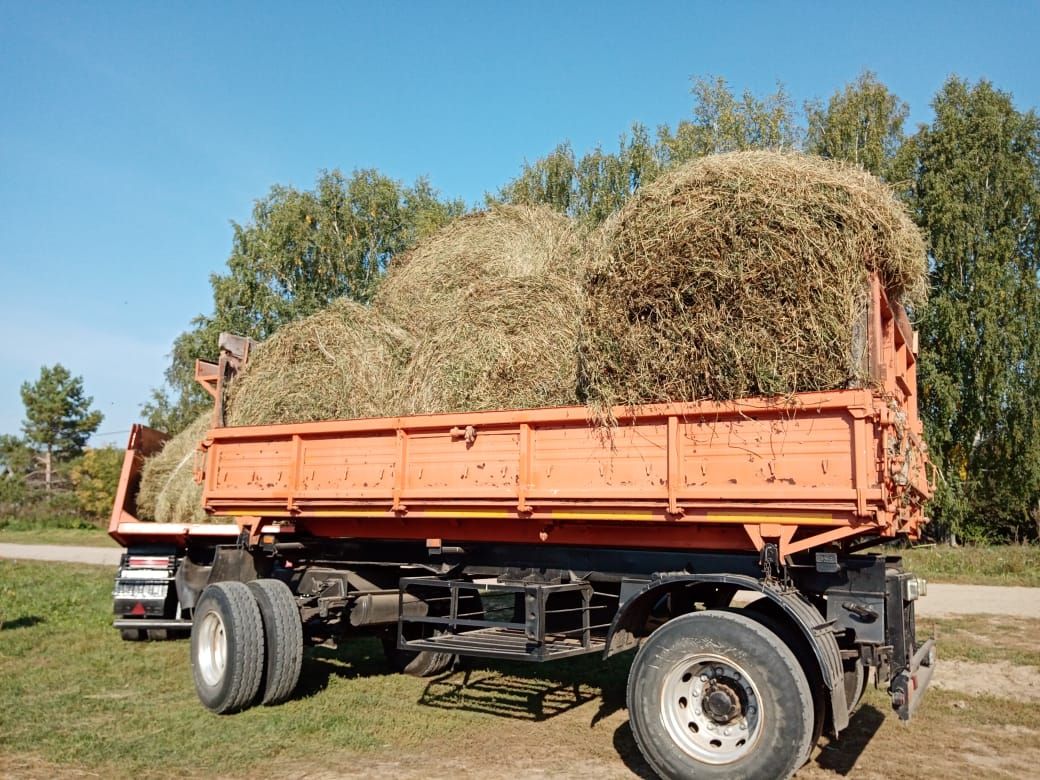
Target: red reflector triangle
{"points": [[138, 609]]}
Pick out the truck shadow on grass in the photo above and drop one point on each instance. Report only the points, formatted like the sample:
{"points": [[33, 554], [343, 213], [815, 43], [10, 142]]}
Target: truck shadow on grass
{"points": [[531, 692], [493, 693], [357, 658], [838, 757], [537, 692], [841, 756]]}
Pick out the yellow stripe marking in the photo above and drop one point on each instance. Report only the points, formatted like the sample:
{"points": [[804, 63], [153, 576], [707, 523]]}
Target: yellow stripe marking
{"points": [[594, 515], [821, 519]]}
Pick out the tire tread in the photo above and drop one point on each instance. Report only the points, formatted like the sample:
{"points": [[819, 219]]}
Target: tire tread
{"points": [[283, 634], [245, 646]]}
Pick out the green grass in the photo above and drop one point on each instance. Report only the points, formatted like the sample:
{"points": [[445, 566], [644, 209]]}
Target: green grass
{"points": [[72, 693], [80, 537], [75, 698], [985, 638], [1012, 564]]}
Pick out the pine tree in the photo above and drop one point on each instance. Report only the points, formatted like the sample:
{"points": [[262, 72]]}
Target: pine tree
{"points": [[58, 418]]}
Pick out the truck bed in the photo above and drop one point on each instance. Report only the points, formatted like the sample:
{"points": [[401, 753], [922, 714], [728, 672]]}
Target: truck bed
{"points": [[799, 471]]}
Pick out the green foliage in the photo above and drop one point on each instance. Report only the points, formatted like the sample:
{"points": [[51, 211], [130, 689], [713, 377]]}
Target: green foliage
{"points": [[549, 181], [723, 122], [16, 457], [977, 196], [862, 123], [26, 506], [13, 495], [593, 187], [1010, 564], [301, 250], [94, 480], [25, 500], [58, 418]]}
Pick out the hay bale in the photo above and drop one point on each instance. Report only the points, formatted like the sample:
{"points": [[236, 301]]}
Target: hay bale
{"points": [[168, 492], [425, 288], [512, 344], [340, 363], [743, 274], [494, 303]]}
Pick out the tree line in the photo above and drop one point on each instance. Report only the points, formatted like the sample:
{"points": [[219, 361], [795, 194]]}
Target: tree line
{"points": [[970, 177]]}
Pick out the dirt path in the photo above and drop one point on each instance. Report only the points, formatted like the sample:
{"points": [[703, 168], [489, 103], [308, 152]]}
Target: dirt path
{"points": [[979, 599], [101, 556]]}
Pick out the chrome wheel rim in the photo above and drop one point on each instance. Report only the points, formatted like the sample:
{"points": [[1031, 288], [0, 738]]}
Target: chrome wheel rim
{"points": [[711, 709], [212, 648]]}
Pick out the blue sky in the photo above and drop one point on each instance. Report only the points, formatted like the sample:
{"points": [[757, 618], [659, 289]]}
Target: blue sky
{"points": [[131, 134]]}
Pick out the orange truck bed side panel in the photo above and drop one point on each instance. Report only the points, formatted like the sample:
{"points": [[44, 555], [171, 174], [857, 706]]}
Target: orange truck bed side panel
{"points": [[668, 475]]}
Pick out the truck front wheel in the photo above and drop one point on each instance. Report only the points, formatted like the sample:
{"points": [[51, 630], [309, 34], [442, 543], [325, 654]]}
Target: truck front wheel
{"points": [[227, 647], [717, 695]]}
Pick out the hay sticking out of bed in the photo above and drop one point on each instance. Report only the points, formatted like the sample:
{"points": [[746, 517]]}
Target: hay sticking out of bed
{"points": [[340, 363], [743, 274], [168, 493]]}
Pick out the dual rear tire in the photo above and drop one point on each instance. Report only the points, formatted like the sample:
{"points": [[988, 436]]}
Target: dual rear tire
{"points": [[246, 645]]}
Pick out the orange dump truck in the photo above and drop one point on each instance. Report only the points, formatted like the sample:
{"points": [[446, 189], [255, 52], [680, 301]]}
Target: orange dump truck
{"points": [[720, 539]]}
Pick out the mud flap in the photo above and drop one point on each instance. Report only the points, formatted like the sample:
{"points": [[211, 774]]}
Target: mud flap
{"points": [[908, 687]]}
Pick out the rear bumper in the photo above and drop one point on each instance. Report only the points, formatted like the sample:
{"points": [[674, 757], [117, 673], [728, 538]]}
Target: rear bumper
{"points": [[908, 687], [179, 625]]}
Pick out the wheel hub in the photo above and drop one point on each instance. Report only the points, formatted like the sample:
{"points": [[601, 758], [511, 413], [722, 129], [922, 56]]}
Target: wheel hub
{"points": [[711, 709], [721, 702], [211, 648]]}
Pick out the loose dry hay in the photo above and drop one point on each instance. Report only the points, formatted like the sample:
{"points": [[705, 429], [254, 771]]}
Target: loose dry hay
{"points": [[340, 363], [743, 274], [511, 344], [494, 302], [168, 493], [425, 289]]}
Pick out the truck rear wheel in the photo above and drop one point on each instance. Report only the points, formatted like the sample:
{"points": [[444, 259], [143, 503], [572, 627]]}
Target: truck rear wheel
{"points": [[283, 639], [856, 679], [227, 647], [417, 663], [715, 694], [769, 614]]}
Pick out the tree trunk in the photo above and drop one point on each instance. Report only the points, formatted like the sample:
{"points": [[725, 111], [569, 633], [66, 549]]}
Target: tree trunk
{"points": [[47, 470]]}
